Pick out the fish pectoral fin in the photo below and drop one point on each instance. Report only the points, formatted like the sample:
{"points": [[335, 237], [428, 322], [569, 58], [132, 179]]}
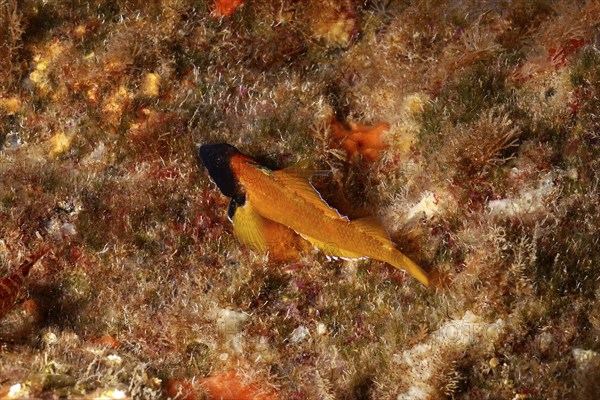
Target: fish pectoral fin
{"points": [[264, 235], [248, 227], [331, 249], [372, 227], [303, 188]]}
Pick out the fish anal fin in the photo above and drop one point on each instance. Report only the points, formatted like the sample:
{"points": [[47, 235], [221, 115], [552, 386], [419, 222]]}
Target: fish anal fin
{"points": [[332, 250]]}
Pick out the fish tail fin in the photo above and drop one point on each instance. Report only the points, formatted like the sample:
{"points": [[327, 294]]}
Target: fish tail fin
{"points": [[371, 226], [400, 261]]}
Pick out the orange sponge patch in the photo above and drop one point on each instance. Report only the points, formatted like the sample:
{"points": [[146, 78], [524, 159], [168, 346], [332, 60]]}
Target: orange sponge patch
{"points": [[359, 139]]}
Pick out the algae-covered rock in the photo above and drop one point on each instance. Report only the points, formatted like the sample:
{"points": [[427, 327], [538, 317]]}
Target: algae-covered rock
{"points": [[468, 129]]}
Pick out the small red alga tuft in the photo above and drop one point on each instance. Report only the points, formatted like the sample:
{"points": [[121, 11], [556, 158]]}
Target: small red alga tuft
{"points": [[225, 8]]}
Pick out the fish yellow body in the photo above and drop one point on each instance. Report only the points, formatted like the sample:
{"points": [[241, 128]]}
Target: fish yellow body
{"points": [[287, 199]]}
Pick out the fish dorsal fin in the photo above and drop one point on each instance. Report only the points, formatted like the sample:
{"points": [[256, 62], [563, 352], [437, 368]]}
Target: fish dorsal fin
{"points": [[248, 227], [372, 227], [302, 187]]}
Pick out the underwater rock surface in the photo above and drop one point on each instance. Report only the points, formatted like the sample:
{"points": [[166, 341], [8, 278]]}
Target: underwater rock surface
{"points": [[469, 129]]}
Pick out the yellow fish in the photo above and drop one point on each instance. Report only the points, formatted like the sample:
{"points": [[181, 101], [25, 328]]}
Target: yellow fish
{"points": [[276, 210]]}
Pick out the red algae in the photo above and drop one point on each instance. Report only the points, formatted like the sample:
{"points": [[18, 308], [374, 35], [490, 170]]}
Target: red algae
{"points": [[11, 286], [225, 8], [179, 390], [107, 341], [229, 386]]}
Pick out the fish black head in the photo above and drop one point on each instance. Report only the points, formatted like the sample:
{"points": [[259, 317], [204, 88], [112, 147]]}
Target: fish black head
{"points": [[217, 159]]}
